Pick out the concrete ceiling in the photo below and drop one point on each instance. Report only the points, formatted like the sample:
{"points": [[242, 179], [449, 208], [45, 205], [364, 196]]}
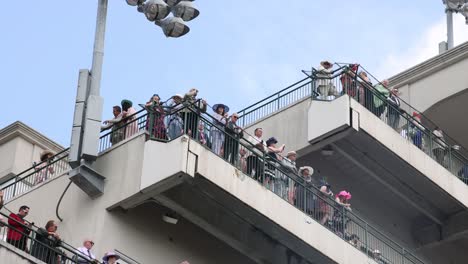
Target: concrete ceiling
{"points": [[451, 114]]}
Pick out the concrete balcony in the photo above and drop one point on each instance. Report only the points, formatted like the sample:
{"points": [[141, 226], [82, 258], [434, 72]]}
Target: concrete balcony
{"points": [[395, 185]]}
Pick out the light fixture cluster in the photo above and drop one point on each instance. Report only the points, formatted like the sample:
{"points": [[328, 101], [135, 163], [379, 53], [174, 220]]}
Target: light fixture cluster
{"points": [[457, 6], [157, 11]]}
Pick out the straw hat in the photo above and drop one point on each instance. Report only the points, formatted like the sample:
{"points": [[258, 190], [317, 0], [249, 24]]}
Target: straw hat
{"points": [[45, 153], [179, 96], [291, 153], [325, 63], [310, 169]]}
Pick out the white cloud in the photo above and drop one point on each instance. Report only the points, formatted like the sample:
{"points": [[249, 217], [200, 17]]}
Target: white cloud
{"points": [[426, 47]]}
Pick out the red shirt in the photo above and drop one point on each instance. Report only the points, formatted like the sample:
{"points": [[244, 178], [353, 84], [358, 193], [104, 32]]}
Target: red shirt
{"points": [[19, 224]]}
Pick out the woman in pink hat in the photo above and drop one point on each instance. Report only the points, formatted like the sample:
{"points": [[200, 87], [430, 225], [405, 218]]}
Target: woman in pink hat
{"points": [[339, 217]]}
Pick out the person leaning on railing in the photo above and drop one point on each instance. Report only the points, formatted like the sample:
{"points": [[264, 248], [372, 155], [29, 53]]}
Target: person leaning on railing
{"points": [[44, 170], [18, 234], [128, 115], [324, 85], [155, 121], [439, 147], [379, 104], [348, 80], [47, 241], [85, 254], [116, 123], [191, 117], [231, 143], [175, 123]]}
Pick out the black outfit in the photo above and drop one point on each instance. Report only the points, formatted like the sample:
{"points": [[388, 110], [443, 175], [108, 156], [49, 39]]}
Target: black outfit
{"points": [[231, 141], [254, 163], [192, 117], [45, 251], [306, 200]]}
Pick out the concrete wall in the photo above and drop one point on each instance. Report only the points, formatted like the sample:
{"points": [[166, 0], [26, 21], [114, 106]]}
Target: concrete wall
{"points": [[410, 153], [327, 117], [17, 155], [425, 92], [139, 232], [275, 208], [11, 255], [289, 126]]}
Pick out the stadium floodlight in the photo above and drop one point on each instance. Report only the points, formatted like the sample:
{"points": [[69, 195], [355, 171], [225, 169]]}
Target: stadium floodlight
{"points": [[156, 10], [454, 4], [172, 2], [135, 2], [185, 10], [173, 27]]}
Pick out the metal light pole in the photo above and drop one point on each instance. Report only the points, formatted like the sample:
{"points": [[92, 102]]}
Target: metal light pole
{"points": [[453, 6], [86, 129], [449, 13]]}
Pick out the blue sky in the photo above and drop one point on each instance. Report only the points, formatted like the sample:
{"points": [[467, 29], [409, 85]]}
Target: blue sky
{"points": [[237, 52]]}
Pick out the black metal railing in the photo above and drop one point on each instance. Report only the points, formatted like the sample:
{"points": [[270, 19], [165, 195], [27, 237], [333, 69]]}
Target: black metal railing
{"points": [[26, 180], [275, 102], [39, 243], [403, 119], [122, 130], [272, 171]]}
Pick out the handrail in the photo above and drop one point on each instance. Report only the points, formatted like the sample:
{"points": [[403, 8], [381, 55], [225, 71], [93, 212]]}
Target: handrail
{"points": [[38, 244], [444, 153], [428, 123], [35, 175], [274, 176], [285, 97]]}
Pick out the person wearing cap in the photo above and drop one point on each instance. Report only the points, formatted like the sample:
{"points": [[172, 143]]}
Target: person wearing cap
{"points": [[116, 124], [220, 117], [231, 143], [175, 123], [324, 85], [289, 162], [84, 254], [197, 106], [128, 115], [110, 258], [155, 122], [44, 170]]}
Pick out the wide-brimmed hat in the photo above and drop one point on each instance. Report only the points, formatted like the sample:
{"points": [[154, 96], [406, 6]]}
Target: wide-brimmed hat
{"points": [[325, 62], [290, 153], [45, 153], [110, 254], [344, 194], [177, 96], [216, 106], [126, 101], [310, 169], [271, 141]]}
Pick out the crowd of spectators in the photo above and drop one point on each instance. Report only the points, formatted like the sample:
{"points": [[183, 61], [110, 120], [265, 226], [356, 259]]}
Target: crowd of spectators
{"points": [[384, 102]]}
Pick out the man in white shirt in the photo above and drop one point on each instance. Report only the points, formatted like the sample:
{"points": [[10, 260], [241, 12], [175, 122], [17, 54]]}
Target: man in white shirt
{"points": [[257, 137], [85, 251]]}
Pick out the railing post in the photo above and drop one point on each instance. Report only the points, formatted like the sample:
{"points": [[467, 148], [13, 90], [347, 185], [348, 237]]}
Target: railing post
{"points": [[278, 104], [450, 160], [403, 255], [305, 198], [366, 240]]}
